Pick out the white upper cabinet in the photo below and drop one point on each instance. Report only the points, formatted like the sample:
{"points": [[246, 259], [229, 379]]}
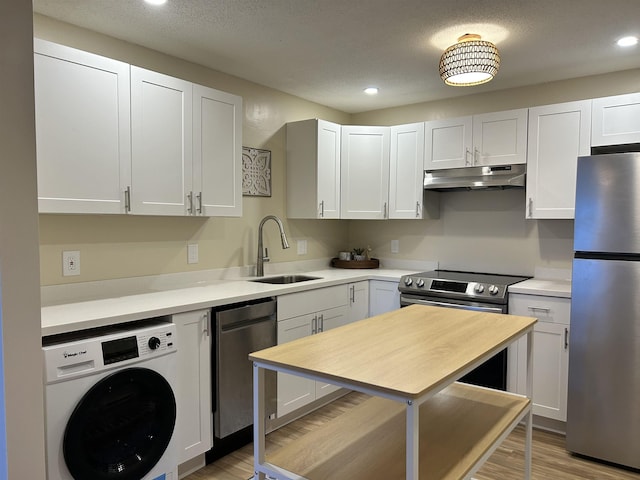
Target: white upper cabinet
{"points": [[313, 169], [83, 135], [161, 121], [448, 143], [616, 120], [364, 167], [498, 138], [558, 134], [217, 153], [115, 138], [406, 171]]}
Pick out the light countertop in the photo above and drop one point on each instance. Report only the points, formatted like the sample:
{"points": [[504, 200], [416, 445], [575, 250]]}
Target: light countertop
{"points": [[98, 312], [547, 287]]}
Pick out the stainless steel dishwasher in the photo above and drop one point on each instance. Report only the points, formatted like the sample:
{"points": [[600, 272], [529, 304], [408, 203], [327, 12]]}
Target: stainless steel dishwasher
{"points": [[240, 329]]}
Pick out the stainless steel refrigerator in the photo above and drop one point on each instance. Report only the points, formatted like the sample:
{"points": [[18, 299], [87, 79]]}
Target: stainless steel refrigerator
{"points": [[603, 418]]}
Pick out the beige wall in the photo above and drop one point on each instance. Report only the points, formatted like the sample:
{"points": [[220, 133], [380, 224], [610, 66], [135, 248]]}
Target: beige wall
{"points": [[19, 282], [121, 246], [480, 230]]}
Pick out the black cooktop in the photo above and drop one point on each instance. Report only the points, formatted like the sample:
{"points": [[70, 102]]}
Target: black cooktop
{"points": [[459, 276]]}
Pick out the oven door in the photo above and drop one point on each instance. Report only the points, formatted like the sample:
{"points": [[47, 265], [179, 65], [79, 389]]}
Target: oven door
{"points": [[406, 300], [493, 372]]}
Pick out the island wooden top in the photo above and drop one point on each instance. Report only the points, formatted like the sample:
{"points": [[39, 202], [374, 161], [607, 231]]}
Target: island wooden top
{"points": [[407, 352]]}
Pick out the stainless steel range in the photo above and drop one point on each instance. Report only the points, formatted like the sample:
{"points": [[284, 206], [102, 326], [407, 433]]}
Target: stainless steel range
{"points": [[484, 292]]}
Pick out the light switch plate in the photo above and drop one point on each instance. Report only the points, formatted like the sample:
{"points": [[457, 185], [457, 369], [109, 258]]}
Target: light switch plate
{"points": [[395, 246], [192, 253], [70, 263], [302, 247]]}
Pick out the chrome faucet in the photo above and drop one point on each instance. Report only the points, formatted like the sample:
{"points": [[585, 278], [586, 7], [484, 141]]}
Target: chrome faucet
{"points": [[261, 254]]}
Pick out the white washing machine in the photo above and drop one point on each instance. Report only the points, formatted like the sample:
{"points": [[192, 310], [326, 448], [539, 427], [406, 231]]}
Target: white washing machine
{"points": [[110, 403]]}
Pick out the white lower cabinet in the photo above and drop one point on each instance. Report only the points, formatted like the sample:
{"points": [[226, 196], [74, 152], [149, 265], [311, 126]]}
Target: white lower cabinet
{"points": [[383, 297], [550, 353], [307, 313], [194, 422]]}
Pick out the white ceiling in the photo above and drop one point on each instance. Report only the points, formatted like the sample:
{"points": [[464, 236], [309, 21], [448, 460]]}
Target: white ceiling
{"points": [[328, 51]]}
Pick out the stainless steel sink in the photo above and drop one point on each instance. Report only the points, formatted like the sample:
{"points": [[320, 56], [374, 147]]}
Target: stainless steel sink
{"points": [[281, 279]]}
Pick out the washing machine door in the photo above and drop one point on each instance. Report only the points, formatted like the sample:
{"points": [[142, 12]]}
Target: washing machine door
{"points": [[121, 427]]}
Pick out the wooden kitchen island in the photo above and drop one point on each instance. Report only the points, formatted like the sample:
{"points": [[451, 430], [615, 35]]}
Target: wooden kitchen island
{"points": [[419, 422]]}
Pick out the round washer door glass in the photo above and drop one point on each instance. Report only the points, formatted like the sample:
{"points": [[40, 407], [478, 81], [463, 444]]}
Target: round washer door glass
{"points": [[121, 427]]}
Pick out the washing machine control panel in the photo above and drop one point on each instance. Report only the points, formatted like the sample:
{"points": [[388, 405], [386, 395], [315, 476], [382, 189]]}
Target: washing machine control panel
{"points": [[79, 353], [141, 344]]}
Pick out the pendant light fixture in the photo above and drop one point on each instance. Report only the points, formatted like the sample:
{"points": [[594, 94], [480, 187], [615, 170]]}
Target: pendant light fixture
{"points": [[471, 61]]}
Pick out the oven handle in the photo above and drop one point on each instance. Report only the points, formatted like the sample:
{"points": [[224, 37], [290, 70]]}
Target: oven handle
{"points": [[433, 303]]}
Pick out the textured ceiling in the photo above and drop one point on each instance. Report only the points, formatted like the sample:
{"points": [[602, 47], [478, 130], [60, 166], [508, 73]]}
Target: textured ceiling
{"points": [[328, 51]]}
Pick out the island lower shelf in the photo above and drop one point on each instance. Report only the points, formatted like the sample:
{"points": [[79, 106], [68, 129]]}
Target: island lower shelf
{"points": [[459, 427]]}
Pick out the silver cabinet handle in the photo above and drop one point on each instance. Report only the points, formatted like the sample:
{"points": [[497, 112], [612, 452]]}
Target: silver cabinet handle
{"points": [[467, 154], [199, 199], [321, 323], [314, 325], [190, 202], [352, 293], [417, 209], [530, 207], [127, 199], [384, 212], [566, 338], [476, 156], [322, 209], [206, 324], [539, 309]]}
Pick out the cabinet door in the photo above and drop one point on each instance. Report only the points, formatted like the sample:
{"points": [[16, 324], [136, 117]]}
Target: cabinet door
{"points": [[550, 370], [406, 171], [558, 134], [313, 169], [364, 179], [329, 135], [500, 138], [217, 153], [358, 301], [193, 423], [294, 391], [83, 134], [447, 143], [161, 121], [383, 297], [616, 120], [327, 320]]}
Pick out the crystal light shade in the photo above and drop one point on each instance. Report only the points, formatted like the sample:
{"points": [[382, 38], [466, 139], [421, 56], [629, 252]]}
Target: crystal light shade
{"points": [[471, 61]]}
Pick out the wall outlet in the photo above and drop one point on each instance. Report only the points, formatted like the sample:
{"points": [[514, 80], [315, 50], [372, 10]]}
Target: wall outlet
{"points": [[395, 246], [302, 247], [70, 263], [192, 253]]}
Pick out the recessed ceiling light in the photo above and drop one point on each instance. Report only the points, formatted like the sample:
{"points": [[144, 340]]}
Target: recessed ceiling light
{"points": [[627, 41], [156, 2], [371, 90]]}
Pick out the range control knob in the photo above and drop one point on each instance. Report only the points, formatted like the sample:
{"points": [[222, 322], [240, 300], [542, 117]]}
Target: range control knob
{"points": [[479, 288], [154, 343], [408, 281], [420, 283], [493, 290]]}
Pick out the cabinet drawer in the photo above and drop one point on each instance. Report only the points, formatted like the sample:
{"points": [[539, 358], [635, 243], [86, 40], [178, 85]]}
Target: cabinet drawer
{"points": [[296, 304], [545, 309]]}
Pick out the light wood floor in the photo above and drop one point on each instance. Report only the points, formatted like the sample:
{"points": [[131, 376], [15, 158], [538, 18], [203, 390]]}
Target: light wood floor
{"points": [[550, 459]]}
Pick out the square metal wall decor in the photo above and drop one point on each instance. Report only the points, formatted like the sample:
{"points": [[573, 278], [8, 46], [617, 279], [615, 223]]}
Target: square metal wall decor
{"points": [[256, 172]]}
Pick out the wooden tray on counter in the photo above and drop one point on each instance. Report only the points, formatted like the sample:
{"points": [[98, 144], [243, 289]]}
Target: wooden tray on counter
{"points": [[372, 263]]}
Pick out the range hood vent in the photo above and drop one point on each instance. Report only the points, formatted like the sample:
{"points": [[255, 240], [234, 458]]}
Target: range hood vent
{"points": [[476, 178]]}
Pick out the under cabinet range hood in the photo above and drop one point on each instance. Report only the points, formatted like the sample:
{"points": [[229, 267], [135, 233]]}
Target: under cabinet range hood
{"points": [[476, 178]]}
